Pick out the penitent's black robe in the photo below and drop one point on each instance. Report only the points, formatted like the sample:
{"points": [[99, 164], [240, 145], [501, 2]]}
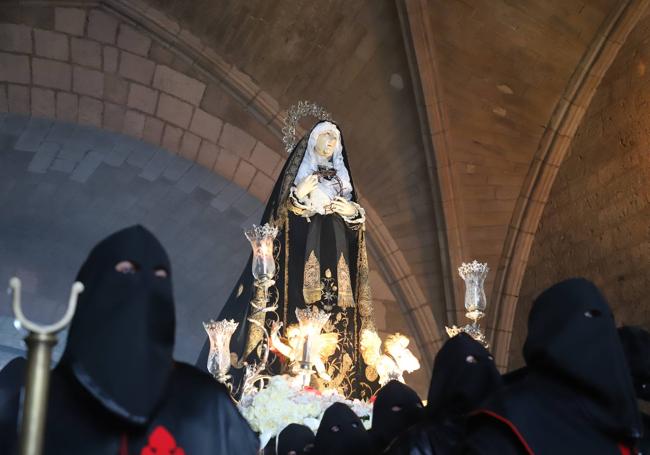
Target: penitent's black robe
{"points": [[334, 279], [117, 388]]}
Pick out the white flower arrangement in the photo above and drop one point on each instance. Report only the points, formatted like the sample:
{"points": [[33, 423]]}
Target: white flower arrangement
{"points": [[283, 402]]}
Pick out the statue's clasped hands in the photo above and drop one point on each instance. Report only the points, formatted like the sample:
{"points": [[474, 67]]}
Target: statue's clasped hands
{"points": [[343, 207], [307, 185]]}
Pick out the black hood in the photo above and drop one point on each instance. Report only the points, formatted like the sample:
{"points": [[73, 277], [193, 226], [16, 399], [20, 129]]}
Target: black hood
{"points": [[341, 432], [396, 408], [636, 345], [295, 438], [464, 375], [122, 335], [572, 339]]}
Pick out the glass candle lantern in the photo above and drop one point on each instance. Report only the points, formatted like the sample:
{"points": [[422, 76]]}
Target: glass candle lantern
{"points": [[261, 239], [219, 333], [474, 274]]}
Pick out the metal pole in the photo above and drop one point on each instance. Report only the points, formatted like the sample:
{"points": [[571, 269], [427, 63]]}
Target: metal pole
{"points": [[39, 346]]}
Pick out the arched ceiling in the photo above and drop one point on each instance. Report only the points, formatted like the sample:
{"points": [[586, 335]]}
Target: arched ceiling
{"points": [[488, 77], [444, 105]]}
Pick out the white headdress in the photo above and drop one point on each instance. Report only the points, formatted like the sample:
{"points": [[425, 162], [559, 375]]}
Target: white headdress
{"points": [[312, 160]]}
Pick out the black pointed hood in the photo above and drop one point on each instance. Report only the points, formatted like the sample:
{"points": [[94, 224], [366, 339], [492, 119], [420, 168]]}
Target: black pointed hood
{"points": [[572, 339], [464, 375], [122, 335], [341, 432], [636, 345], [396, 408], [295, 438]]}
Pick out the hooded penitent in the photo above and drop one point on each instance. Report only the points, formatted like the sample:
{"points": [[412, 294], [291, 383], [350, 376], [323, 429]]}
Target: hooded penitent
{"points": [[117, 389], [341, 432], [396, 408], [577, 395], [464, 375], [122, 336], [321, 262], [636, 345], [295, 439]]}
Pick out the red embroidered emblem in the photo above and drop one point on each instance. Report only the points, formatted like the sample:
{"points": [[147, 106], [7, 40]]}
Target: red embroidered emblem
{"points": [[161, 442]]}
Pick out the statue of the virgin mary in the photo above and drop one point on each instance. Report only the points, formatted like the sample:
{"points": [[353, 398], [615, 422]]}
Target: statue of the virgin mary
{"points": [[321, 262]]}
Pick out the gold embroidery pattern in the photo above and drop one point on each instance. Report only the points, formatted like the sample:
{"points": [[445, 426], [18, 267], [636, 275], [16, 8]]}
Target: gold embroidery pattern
{"points": [[345, 297], [311, 289], [364, 295]]}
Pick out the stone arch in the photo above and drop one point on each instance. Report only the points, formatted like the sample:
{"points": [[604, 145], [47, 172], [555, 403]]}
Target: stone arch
{"points": [[126, 67], [552, 149]]}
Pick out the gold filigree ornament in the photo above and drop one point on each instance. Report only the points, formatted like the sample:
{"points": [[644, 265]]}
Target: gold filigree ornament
{"points": [[345, 296], [294, 114], [312, 287]]}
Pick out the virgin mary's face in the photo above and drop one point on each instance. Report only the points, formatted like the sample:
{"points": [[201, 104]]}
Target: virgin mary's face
{"points": [[325, 144]]}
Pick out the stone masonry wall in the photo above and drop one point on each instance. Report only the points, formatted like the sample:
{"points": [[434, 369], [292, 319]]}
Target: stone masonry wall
{"points": [[596, 221], [88, 66]]}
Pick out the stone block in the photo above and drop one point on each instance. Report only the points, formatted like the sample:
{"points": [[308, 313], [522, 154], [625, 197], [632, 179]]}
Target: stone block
{"points": [[261, 186], [133, 41], [86, 167], [18, 99], [192, 178], [190, 146], [264, 158], [16, 38], [4, 102], [171, 140], [161, 54], [111, 55], [208, 153], [116, 89], [63, 165], [153, 129], [156, 166], [88, 82], [43, 157], [102, 26], [86, 52], [14, 68], [176, 168], [214, 184], [114, 117], [178, 84], [226, 164], [244, 174], [174, 111], [90, 111], [70, 20], [141, 153], [247, 205], [53, 74], [227, 197], [142, 98], [51, 44], [43, 104], [32, 136], [61, 132], [205, 125], [133, 123], [136, 68], [237, 141]]}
